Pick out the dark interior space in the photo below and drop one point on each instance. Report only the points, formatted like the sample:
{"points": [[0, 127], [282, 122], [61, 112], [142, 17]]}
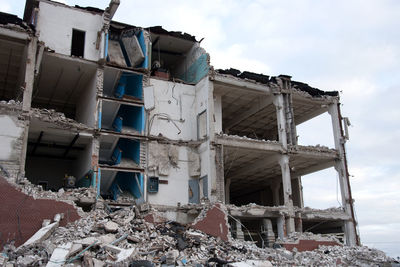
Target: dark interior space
{"points": [[78, 43]]}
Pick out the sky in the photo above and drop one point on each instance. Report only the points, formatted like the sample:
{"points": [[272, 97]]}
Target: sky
{"points": [[352, 46]]}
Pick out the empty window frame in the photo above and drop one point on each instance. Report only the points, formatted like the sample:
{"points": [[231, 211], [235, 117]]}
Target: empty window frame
{"points": [[78, 43]]}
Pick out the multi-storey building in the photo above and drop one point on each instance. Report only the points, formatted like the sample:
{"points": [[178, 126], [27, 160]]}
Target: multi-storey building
{"points": [[141, 112]]}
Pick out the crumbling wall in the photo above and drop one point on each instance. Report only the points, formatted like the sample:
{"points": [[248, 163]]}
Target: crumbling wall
{"points": [[174, 114], [12, 133], [175, 166], [21, 215], [55, 23]]}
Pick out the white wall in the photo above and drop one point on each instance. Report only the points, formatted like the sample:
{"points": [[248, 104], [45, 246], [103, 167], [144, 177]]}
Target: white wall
{"points": [[178, 101], [84, 162], [177, 189], [86, 105], [10, 133], [55, 23], [218, 114]]}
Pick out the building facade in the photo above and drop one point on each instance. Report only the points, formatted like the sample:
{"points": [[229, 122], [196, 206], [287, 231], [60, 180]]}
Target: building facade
{"points": [[140, 114]]}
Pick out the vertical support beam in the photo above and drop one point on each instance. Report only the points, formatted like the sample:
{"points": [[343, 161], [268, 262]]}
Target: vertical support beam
{"points": [[297, 192], [219, 173], [281, 119], [27, 87], [280, 225], [287, 192], [29, 74], [341, 167]]}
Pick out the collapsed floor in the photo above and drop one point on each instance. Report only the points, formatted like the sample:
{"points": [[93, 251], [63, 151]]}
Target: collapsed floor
{"points": [[142, 236]]}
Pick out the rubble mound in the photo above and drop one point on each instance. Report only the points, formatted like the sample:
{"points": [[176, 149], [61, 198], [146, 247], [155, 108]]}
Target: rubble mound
{"points": [[123, 238]]}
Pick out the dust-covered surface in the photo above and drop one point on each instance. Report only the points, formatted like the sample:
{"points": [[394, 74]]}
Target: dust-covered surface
{"points": [[121, 237]]}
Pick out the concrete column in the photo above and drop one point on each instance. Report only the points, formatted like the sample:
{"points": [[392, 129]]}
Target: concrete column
{"points": [[281, 119], [298, 223], [280, 222], [239, 231], [27, 86], [297, 192], [341, 168], [287, 191], [29, 74], [218, 164], [227, 191]]}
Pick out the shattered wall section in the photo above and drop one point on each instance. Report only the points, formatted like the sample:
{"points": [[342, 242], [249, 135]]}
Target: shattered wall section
{"points": [[12, 133], [22, 215]]}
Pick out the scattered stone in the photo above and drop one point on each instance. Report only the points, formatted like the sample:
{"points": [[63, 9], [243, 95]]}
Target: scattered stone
{"points": [[111, 227]]}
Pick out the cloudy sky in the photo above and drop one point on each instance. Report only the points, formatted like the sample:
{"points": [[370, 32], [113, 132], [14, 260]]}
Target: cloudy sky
{"points": [[352, 46]]}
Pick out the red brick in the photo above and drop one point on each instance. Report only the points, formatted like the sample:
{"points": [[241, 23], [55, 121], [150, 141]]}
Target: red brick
{"points": [[21, 216], [214, 223]]}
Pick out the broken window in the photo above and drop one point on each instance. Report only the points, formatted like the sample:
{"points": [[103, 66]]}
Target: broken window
{"points": [[78, 43]]}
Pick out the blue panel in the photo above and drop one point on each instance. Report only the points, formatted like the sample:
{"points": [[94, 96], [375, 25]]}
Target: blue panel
{"points": [[117, 124], [106, 48], [140, 37], [120, 90], [134, 84], [131, 149], [132, 117], [126, 181], [116, 155], [194, 191], [197, 70]]}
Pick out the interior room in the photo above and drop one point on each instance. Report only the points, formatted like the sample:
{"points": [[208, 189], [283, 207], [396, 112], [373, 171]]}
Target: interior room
{"points": [[67, 86], [12, 68], [250, 176], [121, 152], [245, 113], [54, 155]]}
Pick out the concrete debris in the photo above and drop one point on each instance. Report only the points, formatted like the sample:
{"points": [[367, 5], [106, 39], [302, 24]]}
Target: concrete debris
{"points": [[137, 242], [58, 118]]}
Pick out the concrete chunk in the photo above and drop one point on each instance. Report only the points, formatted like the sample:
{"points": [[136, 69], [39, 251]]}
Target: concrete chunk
{"points": [[42, 234], [59, 255]]}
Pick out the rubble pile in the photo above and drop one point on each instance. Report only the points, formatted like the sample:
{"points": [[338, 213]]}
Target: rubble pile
{"points": [[58, 118], [123, 238]]}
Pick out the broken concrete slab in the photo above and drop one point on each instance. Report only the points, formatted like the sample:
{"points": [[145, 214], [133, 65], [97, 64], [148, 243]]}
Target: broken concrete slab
{"points": [[59, 256], [42, 234]]}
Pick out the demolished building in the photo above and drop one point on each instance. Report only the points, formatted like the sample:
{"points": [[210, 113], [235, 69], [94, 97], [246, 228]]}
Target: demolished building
{"points": [[90, 102]]}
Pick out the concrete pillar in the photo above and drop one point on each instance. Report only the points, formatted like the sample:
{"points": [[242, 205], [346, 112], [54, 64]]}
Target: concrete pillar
{"points": [[27, 87], [287, 191], [239, 231], [218, 162], [280, 222], [281, 119], [341, 168], [267, 232], [297, 192], [29, 74], [227, 191], [298, 223]]}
